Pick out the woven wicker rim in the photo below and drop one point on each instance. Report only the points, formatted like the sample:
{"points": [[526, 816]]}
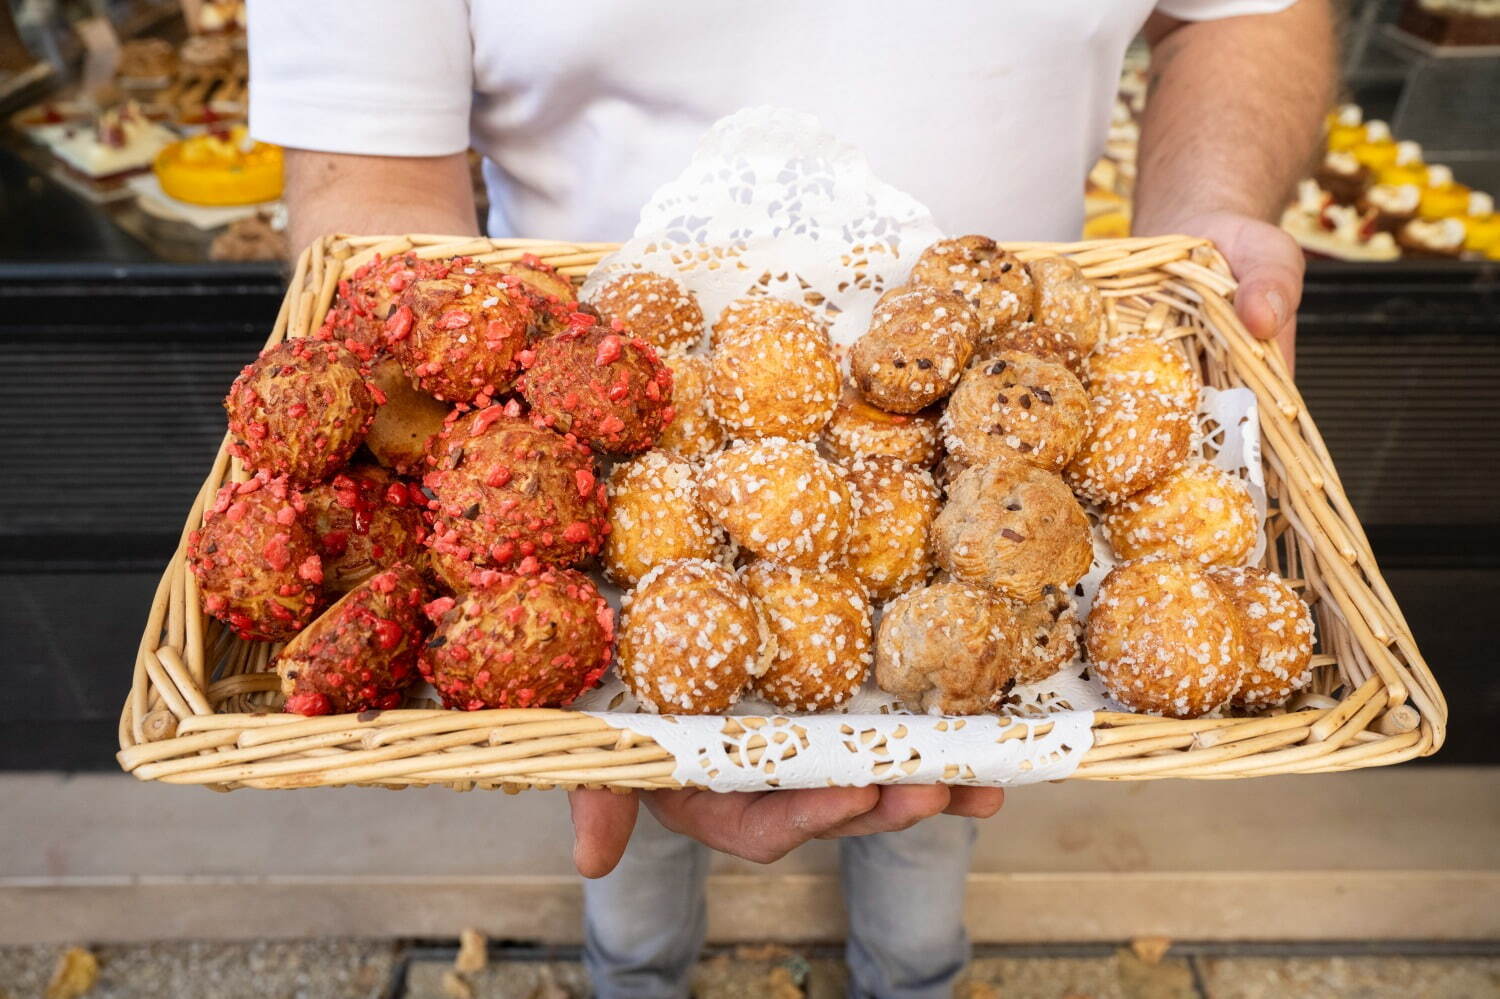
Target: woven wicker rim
{"points": [[201, 706]]}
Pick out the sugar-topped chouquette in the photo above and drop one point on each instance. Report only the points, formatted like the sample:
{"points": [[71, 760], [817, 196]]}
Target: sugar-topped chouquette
{"points": [[860, 430], [655, 517], [781, 500], [361, 653], [1067, 300], [918, 342], [512, 641], [946, 648], [994, 280], [1198, 511], [300, 410], [1012, 527], [1144, 363], [753, 312], [1165, 640], [776, 379], [1019, 405], [654, 307], [889, 550], [1279, 630], [691, 639], [820, 622], [692, 432], [1136, 438]]}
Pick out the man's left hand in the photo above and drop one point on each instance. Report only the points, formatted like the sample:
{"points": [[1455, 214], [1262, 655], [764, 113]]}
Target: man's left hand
{"points": [[1268, 264]]}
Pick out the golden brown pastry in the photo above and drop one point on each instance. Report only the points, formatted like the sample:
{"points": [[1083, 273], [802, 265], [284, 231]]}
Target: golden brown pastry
{"points": [[753, 312], [1046, 634], [1068, 301], [917, 345], [780, 500], [691, 639], [946, 648], [1136, 438], [1165, 640], [1014, 528], [693, 431], [407, 421], [543, 280], [654, 307], [1278, 629], [1197, 512], [300, 410], [655, 517], [777, 379], [860, 430], [1144, 363], [994, 281], [820, 623], [1044, 342], [1017, 404], [889, 550]]}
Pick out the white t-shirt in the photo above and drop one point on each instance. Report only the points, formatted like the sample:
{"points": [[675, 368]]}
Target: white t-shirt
{"points": [[989, 112]]}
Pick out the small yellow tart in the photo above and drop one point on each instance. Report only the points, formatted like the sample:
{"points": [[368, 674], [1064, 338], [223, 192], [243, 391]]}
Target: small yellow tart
{"points": [[1442, 196], [211, 169], [1377, 155], [1398, 174], [1482, 233]]}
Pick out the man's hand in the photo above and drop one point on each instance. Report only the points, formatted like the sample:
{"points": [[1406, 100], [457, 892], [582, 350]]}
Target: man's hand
{"points": [[1268, 265], [763, 826], [1233, 113]]}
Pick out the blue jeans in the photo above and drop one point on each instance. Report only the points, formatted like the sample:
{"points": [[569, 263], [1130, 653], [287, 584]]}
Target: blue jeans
{"points": [[644, 923]]}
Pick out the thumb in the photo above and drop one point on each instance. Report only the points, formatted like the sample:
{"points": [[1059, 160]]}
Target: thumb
{"points": [[1268, 264], [602, 823], [1267, 300]]}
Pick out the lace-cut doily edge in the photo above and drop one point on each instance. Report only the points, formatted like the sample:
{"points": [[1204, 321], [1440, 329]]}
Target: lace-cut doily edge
{"points": [[761, 753]]}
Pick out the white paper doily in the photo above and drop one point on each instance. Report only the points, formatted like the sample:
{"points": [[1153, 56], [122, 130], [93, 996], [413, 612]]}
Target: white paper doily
{"points": [[771, 201], [773, 204]]}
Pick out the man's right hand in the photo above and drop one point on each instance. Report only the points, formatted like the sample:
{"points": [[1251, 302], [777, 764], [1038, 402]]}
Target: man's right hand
{"points": [[763, 826]]}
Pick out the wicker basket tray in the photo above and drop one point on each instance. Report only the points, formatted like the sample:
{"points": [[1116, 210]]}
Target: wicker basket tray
{"points": [[203, 706]]}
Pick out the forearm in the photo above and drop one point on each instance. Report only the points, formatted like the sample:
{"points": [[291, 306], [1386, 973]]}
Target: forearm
{"points": [[1233, 114], [371, 195]]}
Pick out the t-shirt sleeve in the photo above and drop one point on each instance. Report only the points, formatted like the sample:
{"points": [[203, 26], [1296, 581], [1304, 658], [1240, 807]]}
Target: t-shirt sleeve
{"points": [[373, 77], [1209, 10]]}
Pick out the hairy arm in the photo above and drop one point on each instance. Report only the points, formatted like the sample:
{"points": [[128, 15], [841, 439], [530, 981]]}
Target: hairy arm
{"points": [[1231, 122], [373, 195]]}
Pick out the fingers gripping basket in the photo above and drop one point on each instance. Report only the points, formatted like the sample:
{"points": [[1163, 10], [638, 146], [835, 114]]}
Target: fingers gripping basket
{"points": [[204, 706]]}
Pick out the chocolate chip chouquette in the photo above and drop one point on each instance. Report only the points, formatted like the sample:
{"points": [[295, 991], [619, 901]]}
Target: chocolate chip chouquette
{"points": [[918, 342]]}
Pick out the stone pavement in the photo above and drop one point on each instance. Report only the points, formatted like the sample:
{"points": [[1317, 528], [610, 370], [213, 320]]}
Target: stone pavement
{"points": [[346, 969]]}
